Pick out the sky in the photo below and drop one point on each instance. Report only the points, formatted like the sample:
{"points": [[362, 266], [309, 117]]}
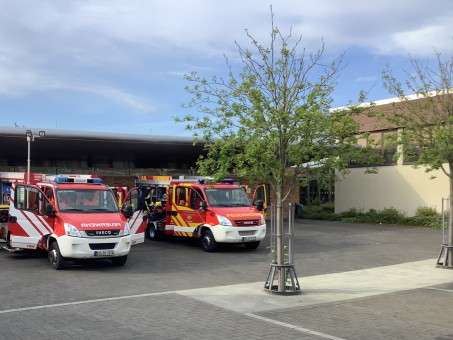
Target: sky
{"points": [[117, 66]]}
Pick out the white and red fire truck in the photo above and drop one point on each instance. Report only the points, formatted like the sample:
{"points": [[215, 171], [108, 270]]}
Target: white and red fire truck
{"points": [[6, 181], [214, 213], [72, 217]]}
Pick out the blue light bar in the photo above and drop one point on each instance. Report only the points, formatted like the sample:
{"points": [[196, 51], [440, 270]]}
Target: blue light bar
{"points": [[61, 179], [227, 181]]}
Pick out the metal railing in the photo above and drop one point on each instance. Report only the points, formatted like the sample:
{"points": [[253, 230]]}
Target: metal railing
{"points": [[282, 278]]}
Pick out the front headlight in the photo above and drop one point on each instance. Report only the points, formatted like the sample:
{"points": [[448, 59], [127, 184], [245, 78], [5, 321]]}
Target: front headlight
{"points": [[263, 220], [70, 230], [224, 221], [127, 229]]}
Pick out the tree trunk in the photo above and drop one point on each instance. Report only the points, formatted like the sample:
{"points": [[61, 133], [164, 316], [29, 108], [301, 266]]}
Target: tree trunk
{"points": [[318, 183]]}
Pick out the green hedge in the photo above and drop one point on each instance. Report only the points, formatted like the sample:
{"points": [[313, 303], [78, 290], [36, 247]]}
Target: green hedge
{"points": [[424, 216]]}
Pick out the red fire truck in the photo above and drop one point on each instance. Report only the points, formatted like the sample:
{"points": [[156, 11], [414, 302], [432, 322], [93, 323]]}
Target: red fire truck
{"points": [[72, 217], [213, 213]]}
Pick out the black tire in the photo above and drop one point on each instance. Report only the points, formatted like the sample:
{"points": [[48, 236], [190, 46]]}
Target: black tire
{"points": [[119, 261], [152, 233], [252, 245], [208, 242], [57, 261]]}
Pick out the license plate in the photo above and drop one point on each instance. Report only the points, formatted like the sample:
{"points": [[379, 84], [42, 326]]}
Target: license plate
{"points": [[103, 253], [249, 238]]}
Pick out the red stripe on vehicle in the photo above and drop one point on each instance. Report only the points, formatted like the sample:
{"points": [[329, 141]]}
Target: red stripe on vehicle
{"points": [[31, 222], [45, 224]]}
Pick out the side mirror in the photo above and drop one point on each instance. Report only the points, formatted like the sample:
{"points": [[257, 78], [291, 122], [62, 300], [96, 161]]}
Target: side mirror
{"points": [[127, 210], [260, 205], [204, 205], [50, 211]]}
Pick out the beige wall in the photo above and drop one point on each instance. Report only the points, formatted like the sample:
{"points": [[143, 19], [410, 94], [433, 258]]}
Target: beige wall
{"points": [[400, 186]]}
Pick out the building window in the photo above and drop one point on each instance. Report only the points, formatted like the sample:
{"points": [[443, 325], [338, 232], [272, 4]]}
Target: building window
{"points": [[381, 144]]}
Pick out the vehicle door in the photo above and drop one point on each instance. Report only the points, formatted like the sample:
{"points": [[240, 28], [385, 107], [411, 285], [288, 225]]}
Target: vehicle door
{"points": [[261, 192], [28, 223], [187, 214], [136, 199]]}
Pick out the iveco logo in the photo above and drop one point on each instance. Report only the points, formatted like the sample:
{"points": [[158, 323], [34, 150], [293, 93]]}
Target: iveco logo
{"points": [[248, 222], [103, 232]]}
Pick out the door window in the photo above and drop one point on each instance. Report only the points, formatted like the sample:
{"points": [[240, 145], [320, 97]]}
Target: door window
{"points": [[30, 199]]}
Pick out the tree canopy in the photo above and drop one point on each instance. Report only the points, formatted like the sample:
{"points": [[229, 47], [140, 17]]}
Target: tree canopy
{"points": [[272, 116], [424, 116]]}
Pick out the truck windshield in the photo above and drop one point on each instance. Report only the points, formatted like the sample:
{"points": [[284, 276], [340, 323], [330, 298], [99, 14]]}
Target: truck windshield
{"points": [[87, 201], [227, 197]]}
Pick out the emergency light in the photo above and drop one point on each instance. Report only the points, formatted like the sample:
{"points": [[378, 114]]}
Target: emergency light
{"points": [[61, 179]]}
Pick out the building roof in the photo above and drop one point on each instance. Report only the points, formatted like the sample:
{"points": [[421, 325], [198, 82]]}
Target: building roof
{"points": [[142, 151]]}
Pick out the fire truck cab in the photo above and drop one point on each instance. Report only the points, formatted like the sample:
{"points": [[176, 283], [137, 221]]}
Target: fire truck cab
{"points": [[213, 213], [72, 217]]}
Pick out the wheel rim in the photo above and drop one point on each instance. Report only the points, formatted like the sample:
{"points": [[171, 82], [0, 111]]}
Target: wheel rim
{"points": [[152, 232], [53, 256], [206, 241]]}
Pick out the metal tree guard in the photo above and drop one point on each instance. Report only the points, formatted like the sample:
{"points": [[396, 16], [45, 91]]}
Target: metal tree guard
{"points": [[443, 261], [282, 278]]}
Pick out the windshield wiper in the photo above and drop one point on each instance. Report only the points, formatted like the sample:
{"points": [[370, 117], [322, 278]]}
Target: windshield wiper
{"points": [[102, 210], [72, 209]]}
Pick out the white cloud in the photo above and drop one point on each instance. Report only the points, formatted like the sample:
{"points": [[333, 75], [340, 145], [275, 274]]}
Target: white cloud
{"points": [[83, 45], [423, 40]]}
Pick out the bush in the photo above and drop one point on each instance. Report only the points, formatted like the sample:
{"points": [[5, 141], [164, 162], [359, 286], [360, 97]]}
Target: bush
{"points": [[319, 212], [390, 216], [351, 213], [424, 216]]}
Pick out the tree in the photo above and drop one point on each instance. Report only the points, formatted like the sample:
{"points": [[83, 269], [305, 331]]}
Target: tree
{"points": [[426, 123], [265, 122]]}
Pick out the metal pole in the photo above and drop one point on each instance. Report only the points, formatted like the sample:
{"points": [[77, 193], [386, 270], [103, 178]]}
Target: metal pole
{"points": [[443, 221], [290, 234], [29, 139]]}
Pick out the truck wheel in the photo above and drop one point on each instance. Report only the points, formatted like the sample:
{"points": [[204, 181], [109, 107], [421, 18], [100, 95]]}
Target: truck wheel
{"points": [[119, 261], [152, 233], [208, 242], [57, 261], [252, 245]]}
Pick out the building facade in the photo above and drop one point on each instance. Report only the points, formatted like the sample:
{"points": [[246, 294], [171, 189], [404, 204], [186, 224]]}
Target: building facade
{"points": [[397, 183]]}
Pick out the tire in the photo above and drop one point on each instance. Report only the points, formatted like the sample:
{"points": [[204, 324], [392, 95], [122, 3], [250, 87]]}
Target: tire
{"points": [[152, 233], [252, 245], [57, 261], [119, 261], [208, 242]]}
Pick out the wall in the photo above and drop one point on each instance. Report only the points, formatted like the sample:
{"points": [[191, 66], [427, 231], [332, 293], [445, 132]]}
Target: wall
{"points": [[119, 181], [400, 186]]}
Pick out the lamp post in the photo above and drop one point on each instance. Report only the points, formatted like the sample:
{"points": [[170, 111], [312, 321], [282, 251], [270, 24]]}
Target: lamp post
{"points": [[30, 138]]}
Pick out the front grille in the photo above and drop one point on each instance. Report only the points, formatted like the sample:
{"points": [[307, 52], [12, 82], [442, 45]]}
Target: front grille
{"points": [[247, 232], [247, 223], [102, 232], [101, 246]]}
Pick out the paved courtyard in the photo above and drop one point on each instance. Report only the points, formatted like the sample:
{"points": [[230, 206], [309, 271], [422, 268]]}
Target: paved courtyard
{"points": [[357, 281]]}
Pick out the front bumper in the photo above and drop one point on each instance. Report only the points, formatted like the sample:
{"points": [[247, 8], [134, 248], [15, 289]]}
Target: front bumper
{"points": [[86, 248], [225, 234]]}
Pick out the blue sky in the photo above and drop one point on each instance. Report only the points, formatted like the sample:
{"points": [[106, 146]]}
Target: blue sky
{"points": [[118, 66]]}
